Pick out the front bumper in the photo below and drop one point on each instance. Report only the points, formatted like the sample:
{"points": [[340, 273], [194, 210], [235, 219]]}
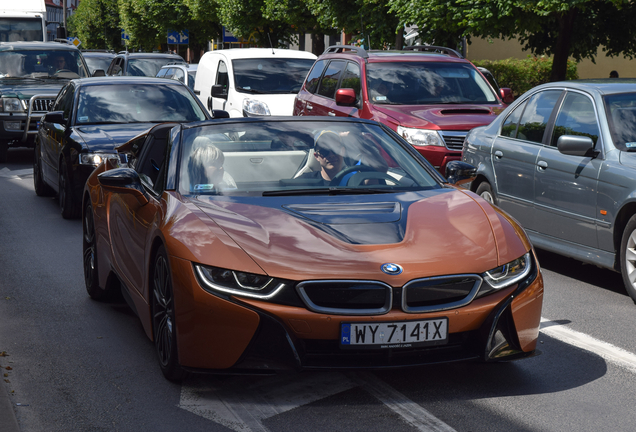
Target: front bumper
{"points": [[20, 128], [232, 335]]}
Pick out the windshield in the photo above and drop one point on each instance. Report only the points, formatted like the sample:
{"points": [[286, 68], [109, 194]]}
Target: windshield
{"points": [[621, 115], [95, 63], [42, 64], [136, 103], [21, 29], [269, 75], [423, 83], [297, 158], [146, 66]]}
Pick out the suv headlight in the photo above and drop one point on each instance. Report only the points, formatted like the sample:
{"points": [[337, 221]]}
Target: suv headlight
{"points": [[11, 105], [95, 159], [421, 137], [253, 107], [238, 283], [507, 274]]}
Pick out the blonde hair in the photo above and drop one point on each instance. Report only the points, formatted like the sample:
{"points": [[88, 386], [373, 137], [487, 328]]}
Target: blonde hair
{"points": [[202, 157]]}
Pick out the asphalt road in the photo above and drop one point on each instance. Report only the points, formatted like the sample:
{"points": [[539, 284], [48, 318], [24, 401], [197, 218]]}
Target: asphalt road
{"points": [[73, 364]]}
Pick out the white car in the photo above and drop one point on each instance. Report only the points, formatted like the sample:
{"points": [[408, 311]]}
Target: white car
{"points": [[250, 82]]}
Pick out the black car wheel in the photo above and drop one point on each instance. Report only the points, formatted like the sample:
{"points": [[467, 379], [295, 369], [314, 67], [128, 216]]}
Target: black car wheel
{"points": [[4, 150], [68, 204], [41, 188], [484, 190], [89, 249], [163, 318], [628, 258]]}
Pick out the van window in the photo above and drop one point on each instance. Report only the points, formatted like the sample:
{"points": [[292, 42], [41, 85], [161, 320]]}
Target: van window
{"points": [[221, 75]]}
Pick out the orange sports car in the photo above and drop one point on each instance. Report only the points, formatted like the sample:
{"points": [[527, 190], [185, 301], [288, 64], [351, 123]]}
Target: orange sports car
{"points": [[260, 244]]}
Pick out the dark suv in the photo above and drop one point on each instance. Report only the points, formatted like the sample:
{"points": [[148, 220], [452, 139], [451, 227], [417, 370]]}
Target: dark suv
{"points": [[429, 95], [140, 64], [31, 76]]}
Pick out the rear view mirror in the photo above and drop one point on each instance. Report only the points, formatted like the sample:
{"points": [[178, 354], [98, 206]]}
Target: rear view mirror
{"points": [[55, 117], [506, 95], [124, 180], [576, 145], [219, 91], [346, 97], [458, 172]]}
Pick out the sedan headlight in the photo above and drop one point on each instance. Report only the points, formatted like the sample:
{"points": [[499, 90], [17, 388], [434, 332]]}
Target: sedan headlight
{"points": [[238, 283], [95, 159], [421, 137], [11, 105], [508, 274], [253, 107]]}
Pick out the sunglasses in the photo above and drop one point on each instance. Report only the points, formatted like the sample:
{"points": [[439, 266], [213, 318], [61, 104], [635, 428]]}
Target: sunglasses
{"points": [[323, 153]]}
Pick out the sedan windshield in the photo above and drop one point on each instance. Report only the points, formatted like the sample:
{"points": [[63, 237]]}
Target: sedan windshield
{"points": [[418, 83], [267, 75], [136, 103], [298, 158], [42, 64], [621, 115]]}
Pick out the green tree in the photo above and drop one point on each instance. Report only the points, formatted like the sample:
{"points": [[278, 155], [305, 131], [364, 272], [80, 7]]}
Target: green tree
{"points": [[562, 29], [96, 24]]}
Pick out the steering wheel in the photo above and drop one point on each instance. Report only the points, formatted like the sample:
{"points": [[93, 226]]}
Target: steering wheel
{"points": [[354, 169], [63, 70]]}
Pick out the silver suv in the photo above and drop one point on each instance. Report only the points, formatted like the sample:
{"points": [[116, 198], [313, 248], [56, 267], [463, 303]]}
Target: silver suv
{"points": [[184, 72]]}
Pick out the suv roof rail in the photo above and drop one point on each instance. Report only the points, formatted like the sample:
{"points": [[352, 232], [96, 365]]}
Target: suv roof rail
{"points": [[432, 48], [343, 48]]}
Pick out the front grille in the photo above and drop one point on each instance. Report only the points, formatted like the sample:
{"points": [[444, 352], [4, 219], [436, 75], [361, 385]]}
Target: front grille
{"points": [[439, 293], [42, 105], [346, 297], [454, 140]]}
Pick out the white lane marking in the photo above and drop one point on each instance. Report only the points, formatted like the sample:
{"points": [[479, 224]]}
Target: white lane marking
{"points": [[7, 173], [410, 411], [607, 351]]}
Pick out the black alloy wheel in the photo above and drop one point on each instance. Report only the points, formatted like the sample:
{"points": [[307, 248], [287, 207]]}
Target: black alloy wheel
{"points": [[41, 188], [68, 205], [163, 318], [89, 248]]}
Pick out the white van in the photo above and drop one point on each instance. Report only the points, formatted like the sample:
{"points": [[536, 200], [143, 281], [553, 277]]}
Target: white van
{"points": [[252, 81], [24, 20]]}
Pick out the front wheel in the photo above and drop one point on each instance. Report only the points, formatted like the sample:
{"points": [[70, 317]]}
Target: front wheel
{"points": [[628, 258], [484, 190], [164, 326]]}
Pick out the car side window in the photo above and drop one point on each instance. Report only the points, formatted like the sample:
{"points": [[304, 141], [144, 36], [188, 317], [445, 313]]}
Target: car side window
{"points": [[576, 117], [162, 73], [117, 68], [221, 75], [509, 127], [314, 76], [66, 102], [329, 82], [351, 79], [57, 105], [169, 73], [534, 119], [179, 75]]}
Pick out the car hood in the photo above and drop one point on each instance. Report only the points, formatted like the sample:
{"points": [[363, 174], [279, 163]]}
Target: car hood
{"points": [[25, 88], [106, 137], [444, 117], [445, 231], [278, 104]]}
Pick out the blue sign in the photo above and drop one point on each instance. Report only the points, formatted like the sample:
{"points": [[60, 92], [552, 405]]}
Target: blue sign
{"points": [[228, 36], [124, 35], [178, 37]]}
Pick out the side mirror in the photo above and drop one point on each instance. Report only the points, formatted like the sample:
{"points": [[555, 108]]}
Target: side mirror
{"points": [[346, 97], [219, 91], [55, 117], [124, 180], [458, 172], [99, 73], [506, 95], [218, 114], [576, 145]]}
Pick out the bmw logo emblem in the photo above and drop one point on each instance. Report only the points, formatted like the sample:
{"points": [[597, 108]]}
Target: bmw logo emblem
{"points": [[391, 269]]}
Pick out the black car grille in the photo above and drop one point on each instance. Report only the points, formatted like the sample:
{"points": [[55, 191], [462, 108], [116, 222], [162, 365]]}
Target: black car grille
{"points": [[42, 105], [454, 140], [438, 293]]}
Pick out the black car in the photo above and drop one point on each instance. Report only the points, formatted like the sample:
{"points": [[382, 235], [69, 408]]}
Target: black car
{"points": [[90, 117], [98, 59], [140, 64], [31, 76]]}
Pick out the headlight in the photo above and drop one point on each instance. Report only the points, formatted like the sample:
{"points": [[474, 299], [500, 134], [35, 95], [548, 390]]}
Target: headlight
{"points": [[238, 283], [11, 105], [253, 107], [95, 159], [508, 274], [421, 137]]}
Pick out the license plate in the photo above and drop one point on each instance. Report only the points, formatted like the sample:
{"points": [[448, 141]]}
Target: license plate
{"points": [[402, 334]]}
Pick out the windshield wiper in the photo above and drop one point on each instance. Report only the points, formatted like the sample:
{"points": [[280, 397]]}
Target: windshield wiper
{"points": [[253, 91], [329, 191]]}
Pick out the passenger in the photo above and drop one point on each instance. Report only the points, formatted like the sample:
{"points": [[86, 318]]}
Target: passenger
{"points": [[329, 151], [206, 168]]}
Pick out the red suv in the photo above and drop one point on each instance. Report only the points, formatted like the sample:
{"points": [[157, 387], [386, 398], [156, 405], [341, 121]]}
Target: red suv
{"points": [[431, 96]]}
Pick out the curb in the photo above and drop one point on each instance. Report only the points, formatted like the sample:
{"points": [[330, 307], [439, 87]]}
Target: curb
{"points": [[8, 422]]}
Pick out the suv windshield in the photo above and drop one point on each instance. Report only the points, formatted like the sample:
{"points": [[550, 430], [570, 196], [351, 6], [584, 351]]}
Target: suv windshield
{"points": [[418, 83], [267, 75], [136, 103], [41, 64], [146, 66], [298, 158], [20, 29]]}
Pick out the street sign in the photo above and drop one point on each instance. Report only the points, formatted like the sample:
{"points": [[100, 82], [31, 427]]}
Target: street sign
{"points": [[178, 37], [75, 41], [228, 36]]}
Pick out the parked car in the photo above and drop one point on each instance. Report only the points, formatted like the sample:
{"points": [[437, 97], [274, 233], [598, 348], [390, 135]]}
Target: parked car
{"points": [[140, 64], [30, 79], [98, 59], [492, 81], [260, 244], [561, 161], [184, 72], [431, 96], [90, 117], [252, 81]]}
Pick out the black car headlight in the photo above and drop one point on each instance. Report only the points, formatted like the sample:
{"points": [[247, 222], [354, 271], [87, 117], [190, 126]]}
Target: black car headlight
{"points": [[215, 279], [507, 274]]}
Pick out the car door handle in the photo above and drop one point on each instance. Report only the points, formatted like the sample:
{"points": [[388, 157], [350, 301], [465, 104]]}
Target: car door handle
{"points": [[309, 107], [332, 114], [542, 165], [498, 154]]}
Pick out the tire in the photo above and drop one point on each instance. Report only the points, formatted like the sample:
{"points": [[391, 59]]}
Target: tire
{"points": [[69, 206], [163, 318], [89, 257], [484, 190], [41, 188], [628, 257], [4, 150]]}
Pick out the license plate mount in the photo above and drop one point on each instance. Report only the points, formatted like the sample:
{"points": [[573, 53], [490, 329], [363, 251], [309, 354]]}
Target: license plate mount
{"points": [[399, 334]]}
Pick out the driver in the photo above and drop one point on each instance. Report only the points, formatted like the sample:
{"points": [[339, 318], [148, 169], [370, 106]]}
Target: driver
{"points": [[329, 151], [59, 63]]}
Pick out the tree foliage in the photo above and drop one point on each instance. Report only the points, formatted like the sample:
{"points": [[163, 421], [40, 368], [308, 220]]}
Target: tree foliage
{"points": [[96, 23]]}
